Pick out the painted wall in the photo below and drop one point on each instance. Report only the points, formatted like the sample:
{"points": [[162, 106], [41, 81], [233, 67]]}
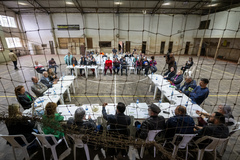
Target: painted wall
{"points": [[9, 32], [132, 27]]}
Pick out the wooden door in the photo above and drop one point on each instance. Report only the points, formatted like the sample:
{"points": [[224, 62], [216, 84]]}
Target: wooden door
{"points": [[162, 47], [128, 46], [51, 47], [89, 43]]}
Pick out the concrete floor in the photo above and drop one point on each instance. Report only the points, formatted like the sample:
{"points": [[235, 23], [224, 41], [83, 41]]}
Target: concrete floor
{"points": [[224, 88]]}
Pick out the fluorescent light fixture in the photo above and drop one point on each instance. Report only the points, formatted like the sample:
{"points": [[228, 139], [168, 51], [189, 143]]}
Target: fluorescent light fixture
{"points": [[212, 5], [118, 3], [166, 4], [21, 3], [69, 3]]}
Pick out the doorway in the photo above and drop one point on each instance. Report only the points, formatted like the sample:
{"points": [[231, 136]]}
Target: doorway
{"points": [[51, 47], [144, 44], [162, 47], [128, 46], [170, 47], [187, 48]]}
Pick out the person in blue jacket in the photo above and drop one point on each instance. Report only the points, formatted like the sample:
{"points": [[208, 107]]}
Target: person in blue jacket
{"points": [[188, 86], [200, 93]]}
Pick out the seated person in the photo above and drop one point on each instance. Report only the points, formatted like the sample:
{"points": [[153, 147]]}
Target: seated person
{"points": [[74, 63], [180, 123], [154, 122], [169, 74], [216, 129], [139, 65], [52, 64], [108, 65], [46, 81], [115, 56], [200, 93], [146, 66], [124, 66], [177, 79], [118, 122], [223, 109], [51, 121], [39, 68], [23, 97], [17, 124], [188, 86], [68, 59], [80, 122], [38, 88], [51, 74], [135, 59], [82, 62], [188, 64], [93, 63], [116, 64], [153, 64]]}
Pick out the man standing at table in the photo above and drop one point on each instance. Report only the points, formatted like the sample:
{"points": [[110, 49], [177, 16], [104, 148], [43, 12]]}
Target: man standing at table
{"points": [[154, 122], [188, 86], [45, 80], [118, 123], [200, 93], [68, 59], [13, 58], [38, 88]]}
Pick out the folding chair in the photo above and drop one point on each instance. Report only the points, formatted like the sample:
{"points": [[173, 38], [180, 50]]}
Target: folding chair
{"points": [[186, 138], [46, 144], [210, 147], [15, 144], [78, 143], [151, 136]]}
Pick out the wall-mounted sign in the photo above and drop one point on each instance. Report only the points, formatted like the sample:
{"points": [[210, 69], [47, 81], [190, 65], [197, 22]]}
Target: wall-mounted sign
{"points": [[68, 27]]}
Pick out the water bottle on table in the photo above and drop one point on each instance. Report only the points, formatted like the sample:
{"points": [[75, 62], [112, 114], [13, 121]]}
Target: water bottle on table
{"points": [[160, 101], [137, 102]]}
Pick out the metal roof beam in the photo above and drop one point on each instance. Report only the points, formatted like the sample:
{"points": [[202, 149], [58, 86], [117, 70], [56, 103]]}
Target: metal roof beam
{"points": [[36, 5]]}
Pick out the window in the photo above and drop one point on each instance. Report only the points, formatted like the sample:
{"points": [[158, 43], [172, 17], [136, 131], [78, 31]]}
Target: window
{"points": [[13, 42], [204, 24], [7, 21], [104, 44]]}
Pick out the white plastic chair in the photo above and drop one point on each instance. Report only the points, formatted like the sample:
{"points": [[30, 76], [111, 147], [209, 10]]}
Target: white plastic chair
{"points": [[151, 136], [78, 143], [186, 138], [210, 147], [15, 144], [46, 144]]}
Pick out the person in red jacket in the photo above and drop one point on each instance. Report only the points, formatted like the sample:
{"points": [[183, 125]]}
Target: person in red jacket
{"points": [[108, 65]]}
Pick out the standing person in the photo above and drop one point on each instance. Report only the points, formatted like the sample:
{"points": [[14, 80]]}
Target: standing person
{"points": [[68, 59], [52, 64], [170, 60], [153, 64], [13, 58], [23, 97]]}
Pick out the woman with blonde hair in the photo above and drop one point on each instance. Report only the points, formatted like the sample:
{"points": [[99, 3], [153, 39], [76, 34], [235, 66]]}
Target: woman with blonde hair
{"points": [[51, 121], [17, 124], [23, 97]]}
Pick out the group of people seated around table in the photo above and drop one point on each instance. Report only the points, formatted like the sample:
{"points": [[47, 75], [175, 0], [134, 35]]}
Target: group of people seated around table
{"points": [[38, 88], [51, 64], [119, 123], [196, 93]]}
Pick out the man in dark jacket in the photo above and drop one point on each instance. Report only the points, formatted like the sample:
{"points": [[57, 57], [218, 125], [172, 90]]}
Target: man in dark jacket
{"points": [[177, 79], [83, 62], [170, 60], [188, 86], [124, 65], [180, 123], [118, 123], [154, 122]]}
